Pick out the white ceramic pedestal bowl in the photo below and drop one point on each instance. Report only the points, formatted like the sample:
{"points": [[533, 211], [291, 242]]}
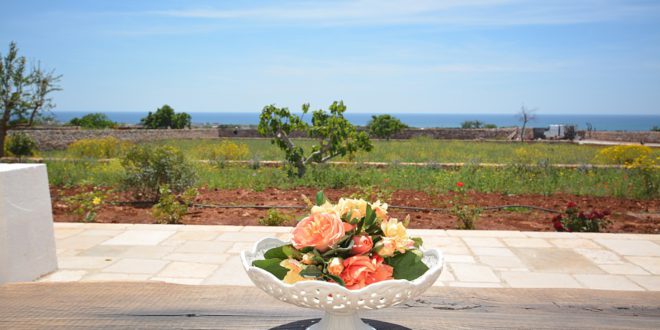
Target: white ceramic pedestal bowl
{"points": [[340, 304]]}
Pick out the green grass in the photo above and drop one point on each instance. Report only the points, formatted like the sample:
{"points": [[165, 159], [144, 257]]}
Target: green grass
{"points": [[509, 180], [416, 150]]}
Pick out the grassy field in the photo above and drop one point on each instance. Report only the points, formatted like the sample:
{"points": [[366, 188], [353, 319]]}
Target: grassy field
{"points": [[413, 150], [510, 180], [518, 177]]}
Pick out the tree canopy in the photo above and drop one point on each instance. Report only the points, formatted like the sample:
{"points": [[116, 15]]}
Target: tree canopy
{"points": [[385, 126], [93, 121], [334, 134], [166, 117], [24, 93]]}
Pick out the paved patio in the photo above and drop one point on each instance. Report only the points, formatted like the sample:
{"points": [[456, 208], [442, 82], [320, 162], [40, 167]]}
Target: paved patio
{"points": [[187, 254]]}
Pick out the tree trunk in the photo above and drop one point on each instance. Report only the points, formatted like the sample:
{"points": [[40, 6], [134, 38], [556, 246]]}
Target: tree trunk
{"points": [[522, 132], [3, 135]]}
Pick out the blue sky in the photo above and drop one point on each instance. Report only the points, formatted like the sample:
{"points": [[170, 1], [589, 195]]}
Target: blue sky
{"points": [[463, 56]]}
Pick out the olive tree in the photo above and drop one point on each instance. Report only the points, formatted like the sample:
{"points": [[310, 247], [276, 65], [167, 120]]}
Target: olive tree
{"points": [[334, 135], [24, 93]]}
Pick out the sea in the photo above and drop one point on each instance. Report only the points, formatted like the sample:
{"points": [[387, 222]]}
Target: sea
{"points": [[420, 120]]}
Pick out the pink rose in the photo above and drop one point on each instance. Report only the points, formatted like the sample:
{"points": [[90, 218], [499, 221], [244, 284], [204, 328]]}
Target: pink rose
{"points": [[360, 271], [362, 244], [319, 230]]}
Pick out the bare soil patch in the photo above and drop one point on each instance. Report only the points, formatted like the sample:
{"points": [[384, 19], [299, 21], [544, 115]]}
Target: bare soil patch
{"points": [[628, 216]]}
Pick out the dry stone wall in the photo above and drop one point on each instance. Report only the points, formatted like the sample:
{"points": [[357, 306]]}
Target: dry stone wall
{"points": [[61, 137]]}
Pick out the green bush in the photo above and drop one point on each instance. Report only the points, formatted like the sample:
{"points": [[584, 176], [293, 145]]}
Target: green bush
{"points": [[274, 218], [107, 147], [385, 126], [171, 208], [165, 117], [21, 145], [148, 168], [93, 121]]}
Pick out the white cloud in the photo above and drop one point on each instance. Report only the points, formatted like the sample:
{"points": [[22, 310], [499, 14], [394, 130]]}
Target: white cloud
{"points": [[439, 12]]}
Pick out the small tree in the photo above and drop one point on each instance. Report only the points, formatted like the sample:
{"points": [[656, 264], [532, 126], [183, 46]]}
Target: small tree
{"points": [[525, 116], [24, 95], [472, 124], [335, 135], [385, 126], [93, 121], [165, 117]]}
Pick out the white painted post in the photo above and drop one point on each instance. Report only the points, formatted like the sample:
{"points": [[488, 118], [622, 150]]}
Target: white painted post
{"points": [[27, 242]]}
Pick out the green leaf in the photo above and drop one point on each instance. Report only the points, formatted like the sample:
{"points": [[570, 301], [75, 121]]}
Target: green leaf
{"points": [[418, 241], [335, 278], [291, 252], [276, 252], [370, 217], [339, 250], [407, 266], [311, 272], [320, 198], [272, 266]]}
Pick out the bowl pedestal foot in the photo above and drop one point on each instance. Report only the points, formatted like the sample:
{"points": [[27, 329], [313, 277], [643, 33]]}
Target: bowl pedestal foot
{"points": [[341, 321]]}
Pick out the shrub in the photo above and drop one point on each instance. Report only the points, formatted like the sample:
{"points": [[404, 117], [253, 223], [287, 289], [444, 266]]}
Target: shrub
{"points": [[385, 126], [466, 214], [274, 218], [472, 124], [171, 208], [148, 168], [225, 150], [574, 220], [87, 204], [624, 155], [93, 121], [21, 145], [107, 147]]}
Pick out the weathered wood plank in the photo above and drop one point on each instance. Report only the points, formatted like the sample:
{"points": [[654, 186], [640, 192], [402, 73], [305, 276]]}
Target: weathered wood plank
{"points": [[114, 305]]}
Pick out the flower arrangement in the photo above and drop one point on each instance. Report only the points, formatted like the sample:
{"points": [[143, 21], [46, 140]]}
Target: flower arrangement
{"points": [[574, 220], [353, 243]]}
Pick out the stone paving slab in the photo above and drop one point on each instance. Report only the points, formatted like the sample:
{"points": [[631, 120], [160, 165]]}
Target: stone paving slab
{"points": [[209, 255]]}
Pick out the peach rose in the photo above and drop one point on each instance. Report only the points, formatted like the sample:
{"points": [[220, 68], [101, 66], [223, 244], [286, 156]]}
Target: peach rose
{"points": [[308, 258], [327, 207], [360, 271], [395, 231], [336, 266], [319, 230], [356, 207], [362, 244], [380, 209], [387, 247], [293, 275], [383, 272]]}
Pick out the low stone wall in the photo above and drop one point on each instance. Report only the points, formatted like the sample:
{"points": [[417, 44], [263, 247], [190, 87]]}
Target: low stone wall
{"points": [[60, 138], [434, 133], [621, 136]]}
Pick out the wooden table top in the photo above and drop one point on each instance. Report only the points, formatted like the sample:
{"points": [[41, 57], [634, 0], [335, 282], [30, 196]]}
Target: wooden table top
{"points": [[122, 305]]}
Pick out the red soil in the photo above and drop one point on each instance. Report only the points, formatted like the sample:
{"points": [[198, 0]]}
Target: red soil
{"points": [[630, 216]]}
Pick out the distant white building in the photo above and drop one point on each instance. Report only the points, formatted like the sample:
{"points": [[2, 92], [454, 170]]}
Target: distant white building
{"points": [[555, 132]]}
